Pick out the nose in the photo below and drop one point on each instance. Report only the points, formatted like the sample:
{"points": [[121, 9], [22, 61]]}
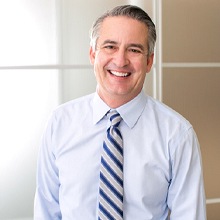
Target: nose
{"points": [[120, 58]]}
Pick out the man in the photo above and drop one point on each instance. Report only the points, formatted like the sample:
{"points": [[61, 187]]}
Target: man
{"points": [[156, 169]]}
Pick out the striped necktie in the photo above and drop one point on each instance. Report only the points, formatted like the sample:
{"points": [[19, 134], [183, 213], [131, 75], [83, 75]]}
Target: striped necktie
{"points": [[111, 172]]}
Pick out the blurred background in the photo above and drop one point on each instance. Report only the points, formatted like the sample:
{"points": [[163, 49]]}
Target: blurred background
{"points": [[44, 48]]}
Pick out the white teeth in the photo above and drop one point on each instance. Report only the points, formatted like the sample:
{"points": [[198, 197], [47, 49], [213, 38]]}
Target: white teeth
{"points": [[119, 74]]}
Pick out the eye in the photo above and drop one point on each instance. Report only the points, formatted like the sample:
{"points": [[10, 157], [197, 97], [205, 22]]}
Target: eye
{"points": [[134, 50], [109, 47]]}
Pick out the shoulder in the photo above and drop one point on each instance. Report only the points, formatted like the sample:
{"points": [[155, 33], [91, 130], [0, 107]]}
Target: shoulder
{"points": [[176, 132], [74, 109], [172, 127], [165, 115], [81, 103]]}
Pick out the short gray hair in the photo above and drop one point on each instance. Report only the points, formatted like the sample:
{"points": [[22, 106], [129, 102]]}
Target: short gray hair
{"points": [[130, 11]]}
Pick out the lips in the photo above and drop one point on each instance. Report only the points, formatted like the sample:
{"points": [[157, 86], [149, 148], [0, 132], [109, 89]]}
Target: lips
{"points": [[119, 74]]}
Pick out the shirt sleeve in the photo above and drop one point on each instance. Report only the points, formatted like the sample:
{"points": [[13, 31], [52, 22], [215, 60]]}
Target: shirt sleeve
{"points": [[186, 197], [46, 205]]}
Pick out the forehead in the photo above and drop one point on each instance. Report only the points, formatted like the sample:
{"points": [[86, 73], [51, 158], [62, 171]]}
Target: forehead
{"points": [[123, 29]]}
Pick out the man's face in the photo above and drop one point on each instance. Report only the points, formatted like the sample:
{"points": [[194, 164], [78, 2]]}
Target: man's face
{"points": [[120, 59]]}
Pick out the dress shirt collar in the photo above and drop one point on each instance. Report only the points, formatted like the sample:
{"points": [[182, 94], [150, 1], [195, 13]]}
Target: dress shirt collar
{"points": [[100, 108], [130, 112]]}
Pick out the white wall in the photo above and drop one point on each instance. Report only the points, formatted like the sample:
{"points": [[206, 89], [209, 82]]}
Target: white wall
{"points": [[27, 96]]}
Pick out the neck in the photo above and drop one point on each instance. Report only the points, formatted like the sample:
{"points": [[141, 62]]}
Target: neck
{"points": [[115, 101]]}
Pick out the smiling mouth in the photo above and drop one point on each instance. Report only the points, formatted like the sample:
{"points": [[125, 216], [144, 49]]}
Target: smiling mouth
{"points": [[119, 74]]}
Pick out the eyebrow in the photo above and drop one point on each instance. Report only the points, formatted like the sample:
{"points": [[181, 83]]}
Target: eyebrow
{"points": [[109, 42], [140, 46]]}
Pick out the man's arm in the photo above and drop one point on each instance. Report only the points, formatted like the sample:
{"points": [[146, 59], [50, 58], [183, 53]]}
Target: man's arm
{"points": [[47, 191], [186, 197]]}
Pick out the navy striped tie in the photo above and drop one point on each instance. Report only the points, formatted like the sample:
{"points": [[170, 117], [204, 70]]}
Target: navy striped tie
{"points": [[111, 173]]}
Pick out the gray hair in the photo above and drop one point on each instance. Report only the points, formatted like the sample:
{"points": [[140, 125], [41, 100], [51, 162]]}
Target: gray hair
{"points": [[130, 11]]}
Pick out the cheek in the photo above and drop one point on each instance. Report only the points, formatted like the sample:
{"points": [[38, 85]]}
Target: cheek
{"points": [[140, 65], [99, 70]]}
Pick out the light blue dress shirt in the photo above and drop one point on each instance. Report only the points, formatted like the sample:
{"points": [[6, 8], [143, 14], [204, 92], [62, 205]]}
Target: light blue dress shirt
{"points": [[162, 163]]}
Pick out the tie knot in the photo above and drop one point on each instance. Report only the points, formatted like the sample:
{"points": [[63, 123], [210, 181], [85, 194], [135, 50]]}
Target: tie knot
{"points": [[114, 117]]}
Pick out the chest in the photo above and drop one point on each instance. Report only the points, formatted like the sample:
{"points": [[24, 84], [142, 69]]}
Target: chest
{"points": [[146, 167]]}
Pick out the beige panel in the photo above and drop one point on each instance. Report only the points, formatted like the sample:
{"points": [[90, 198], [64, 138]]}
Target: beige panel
{"points": [[213, 211], [191, 31], [195, 93]]}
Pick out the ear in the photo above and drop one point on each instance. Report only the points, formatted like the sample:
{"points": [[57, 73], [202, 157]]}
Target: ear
{"points": [[92, 55], [150, 61]]}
